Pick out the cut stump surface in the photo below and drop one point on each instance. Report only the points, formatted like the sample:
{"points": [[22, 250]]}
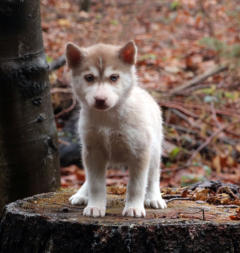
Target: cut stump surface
{"points": [[48, 223]]}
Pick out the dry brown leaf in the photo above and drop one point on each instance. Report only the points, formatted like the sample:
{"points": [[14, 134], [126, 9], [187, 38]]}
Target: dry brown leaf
{"points": [[201, 194], [236, 216], [117, 190]]}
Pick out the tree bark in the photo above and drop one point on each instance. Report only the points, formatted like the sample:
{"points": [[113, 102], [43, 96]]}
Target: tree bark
{"points": [[29, 162], [48, 223]]}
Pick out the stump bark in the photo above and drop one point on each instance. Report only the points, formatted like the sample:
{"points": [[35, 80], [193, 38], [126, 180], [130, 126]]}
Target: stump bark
{"points": [[48, 223]]}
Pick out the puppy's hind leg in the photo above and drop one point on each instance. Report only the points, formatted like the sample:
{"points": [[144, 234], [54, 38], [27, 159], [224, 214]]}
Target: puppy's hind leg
{"points": [[153, 197]]}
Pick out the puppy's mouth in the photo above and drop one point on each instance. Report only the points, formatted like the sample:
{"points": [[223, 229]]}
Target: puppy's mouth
{"points": [[101, 107]]}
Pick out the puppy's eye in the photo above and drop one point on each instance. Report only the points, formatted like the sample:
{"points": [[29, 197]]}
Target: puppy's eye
{"points": [[114, 77], [89, 78]]}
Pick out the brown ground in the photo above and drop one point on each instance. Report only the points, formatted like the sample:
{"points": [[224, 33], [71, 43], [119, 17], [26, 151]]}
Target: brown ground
{"points": [[177, 41]]}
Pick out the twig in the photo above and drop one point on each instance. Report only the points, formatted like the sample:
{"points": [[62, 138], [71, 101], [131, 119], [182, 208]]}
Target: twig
{"points": [[225, 112], [191, 131], [181, 106], [203, 214], [227, 206], [58, 63], [216, 111], [181, 115], [62, 90], [190, 90], [204, 144], [226, 189], [182, 129], [197, 124], [70, 108], [198, 79], [190, 121], [170, 196], [173, 199], [178, 107]]}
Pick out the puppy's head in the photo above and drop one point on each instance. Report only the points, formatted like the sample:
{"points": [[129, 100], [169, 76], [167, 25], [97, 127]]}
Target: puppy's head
{"points": [[103, 75]]}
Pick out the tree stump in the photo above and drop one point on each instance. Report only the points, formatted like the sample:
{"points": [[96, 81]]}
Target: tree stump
{"points": [[48, 223]]}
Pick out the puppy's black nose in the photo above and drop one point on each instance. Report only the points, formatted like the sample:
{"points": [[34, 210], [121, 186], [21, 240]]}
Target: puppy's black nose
{"points": [[100, 103]]}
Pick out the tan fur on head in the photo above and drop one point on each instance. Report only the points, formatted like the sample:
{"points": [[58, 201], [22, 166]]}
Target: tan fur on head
{"points": [[100, 55], [128, 53], [99, 62], [74, 55]]}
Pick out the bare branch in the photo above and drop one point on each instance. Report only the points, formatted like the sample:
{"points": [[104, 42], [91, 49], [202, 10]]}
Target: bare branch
{"points": [[58, 63], [199, 79]]}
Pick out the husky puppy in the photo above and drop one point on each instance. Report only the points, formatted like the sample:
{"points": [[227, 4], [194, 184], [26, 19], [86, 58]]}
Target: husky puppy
{"points": [[119, 123]]}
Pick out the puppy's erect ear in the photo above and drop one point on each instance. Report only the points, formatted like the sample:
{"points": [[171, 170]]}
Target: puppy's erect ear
{"points": [[128, 53], [74, 55]]}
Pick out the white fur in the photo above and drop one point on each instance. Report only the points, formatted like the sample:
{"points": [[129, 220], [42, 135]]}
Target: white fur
{"points": [[100, 62], [93, 71], [109, 70], [128, 132]]}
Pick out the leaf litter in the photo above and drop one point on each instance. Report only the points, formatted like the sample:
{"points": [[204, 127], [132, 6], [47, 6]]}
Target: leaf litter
{"points": [[178, 42]]}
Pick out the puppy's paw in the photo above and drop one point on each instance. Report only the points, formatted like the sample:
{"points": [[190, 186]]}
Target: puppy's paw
{"points": [[94, 211], [78, 199], [158, 203], [134, 212]]}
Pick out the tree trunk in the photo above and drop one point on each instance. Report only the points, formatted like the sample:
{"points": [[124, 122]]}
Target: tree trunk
{"points": [[29, 162], [48, 223]]}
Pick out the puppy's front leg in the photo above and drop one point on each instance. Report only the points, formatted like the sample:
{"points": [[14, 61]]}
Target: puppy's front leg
{"points": [[95, 166], [136, 187]]}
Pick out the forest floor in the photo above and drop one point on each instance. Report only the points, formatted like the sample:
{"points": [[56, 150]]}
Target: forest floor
{"points": [[189, 58]]}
